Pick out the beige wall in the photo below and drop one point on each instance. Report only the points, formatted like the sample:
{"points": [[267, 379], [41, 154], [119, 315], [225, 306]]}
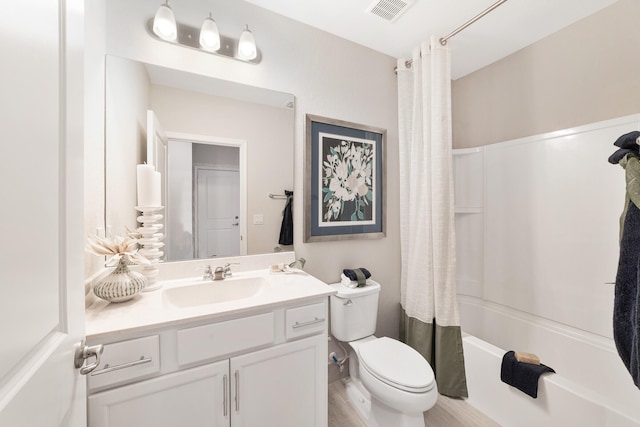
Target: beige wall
{"points": [[268, 132], [127, 100], [587, 72]]}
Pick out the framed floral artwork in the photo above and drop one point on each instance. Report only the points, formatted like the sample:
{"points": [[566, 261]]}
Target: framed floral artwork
{"points": [[344, 180]]}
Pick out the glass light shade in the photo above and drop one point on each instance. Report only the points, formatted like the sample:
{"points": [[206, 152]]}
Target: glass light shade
{"points": [[247, 45], [209, 35], [164, 23]]}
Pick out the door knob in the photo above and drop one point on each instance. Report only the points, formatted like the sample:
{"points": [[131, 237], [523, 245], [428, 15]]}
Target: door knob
{"points": [[84, 352]]}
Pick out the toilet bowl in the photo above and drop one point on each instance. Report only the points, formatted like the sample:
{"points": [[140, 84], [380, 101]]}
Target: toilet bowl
{"points": [[390, 383]]}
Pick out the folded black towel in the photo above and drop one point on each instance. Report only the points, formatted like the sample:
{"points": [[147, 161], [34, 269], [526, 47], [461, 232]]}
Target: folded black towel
{"points": [[359, 275], [628, 144], [523, 376]]}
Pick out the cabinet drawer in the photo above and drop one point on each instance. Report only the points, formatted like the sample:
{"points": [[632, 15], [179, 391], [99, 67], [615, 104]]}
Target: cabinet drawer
{"points": [[224, 338], [126, 360], [306, 320]]}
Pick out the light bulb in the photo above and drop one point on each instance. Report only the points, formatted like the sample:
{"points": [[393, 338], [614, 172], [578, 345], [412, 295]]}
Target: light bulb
{"points": [[164, 23], [247, 45], [209, 35]]}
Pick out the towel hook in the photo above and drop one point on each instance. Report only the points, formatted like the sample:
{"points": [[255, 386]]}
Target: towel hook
{"points": [[277, 196]]}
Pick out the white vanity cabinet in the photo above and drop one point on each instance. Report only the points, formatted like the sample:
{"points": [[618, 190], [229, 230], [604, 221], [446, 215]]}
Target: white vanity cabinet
{"points": [[186, 398], [280, 386], [261, 369]]}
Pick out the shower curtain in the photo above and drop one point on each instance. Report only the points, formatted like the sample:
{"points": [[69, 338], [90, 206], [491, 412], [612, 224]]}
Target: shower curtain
{"points": [[430, 321]]}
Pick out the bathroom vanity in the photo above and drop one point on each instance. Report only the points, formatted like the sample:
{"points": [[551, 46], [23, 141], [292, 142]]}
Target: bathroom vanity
{"points": [[245, 351]]}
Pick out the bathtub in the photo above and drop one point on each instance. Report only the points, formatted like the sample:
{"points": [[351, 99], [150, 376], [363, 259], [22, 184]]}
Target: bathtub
{"points": [[537, 223], [591, 387]]}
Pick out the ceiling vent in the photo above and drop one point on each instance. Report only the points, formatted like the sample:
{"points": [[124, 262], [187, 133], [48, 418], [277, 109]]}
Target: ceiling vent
{"points": [[389, 10]]}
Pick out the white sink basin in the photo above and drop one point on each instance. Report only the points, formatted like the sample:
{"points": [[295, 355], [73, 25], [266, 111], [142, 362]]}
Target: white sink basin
{"points": [[206, 292]]}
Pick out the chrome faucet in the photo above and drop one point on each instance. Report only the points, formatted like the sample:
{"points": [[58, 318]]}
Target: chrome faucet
{"points": [[219, 273]]}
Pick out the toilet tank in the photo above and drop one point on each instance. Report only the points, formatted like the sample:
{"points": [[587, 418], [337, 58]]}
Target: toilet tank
{"points": [[354, 311]]}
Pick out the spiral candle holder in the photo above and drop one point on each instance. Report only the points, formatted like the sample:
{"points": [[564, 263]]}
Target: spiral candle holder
{"points": [[151, 242]]}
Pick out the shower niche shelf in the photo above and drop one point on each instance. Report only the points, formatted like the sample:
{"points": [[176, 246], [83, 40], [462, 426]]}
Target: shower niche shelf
{"points": [[468, 177]]}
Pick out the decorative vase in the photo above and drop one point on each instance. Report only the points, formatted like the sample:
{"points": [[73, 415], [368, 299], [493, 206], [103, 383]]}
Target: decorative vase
{"points": [[121, 284]]}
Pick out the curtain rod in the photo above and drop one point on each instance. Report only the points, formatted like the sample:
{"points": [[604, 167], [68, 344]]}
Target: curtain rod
{"points": [[443, 40]]}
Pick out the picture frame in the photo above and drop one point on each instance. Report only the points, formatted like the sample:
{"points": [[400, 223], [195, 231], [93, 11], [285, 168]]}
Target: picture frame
{"points": [[345, 169]]}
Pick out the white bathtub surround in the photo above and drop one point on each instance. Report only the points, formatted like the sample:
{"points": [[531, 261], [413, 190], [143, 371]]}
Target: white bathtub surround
{"points": [[537, 226], [430, 321]]}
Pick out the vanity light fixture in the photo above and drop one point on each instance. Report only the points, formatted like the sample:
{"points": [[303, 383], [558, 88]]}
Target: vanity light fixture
{"points": [[207, 38], [209, 35], [247, 45], [164, 23]]}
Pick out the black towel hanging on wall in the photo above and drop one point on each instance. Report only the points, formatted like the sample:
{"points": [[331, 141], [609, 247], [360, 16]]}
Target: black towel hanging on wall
{"points": [[626, 325], [286, 229]]}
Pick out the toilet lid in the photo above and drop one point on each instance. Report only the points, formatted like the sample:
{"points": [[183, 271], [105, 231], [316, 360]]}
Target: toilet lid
{"points": [[396, 364]]}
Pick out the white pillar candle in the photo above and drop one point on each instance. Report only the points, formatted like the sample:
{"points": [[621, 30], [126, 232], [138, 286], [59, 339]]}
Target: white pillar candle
{"points": [[148, 186]]}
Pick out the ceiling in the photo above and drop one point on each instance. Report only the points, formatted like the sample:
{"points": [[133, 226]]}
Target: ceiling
{"points": [[507, 29]]}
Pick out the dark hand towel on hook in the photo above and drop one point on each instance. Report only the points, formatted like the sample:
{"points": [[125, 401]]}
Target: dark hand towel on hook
{"points": [[628, 143], [286, 229], [523, 376], [359, 275], [626, 303]]}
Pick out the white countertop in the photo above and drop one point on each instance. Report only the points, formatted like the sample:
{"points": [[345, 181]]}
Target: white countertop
{"points": [[149, 310]]}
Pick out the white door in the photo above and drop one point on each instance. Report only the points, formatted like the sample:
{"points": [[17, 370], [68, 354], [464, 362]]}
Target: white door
{"points": [[157, 149], [41, 255], [218, 212]]}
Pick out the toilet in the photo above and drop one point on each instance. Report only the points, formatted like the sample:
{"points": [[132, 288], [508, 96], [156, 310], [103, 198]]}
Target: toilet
{"points": [[390, 383]]}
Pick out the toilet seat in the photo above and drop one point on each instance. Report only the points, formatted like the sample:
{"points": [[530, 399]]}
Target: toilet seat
{"points": [[396, 364]]}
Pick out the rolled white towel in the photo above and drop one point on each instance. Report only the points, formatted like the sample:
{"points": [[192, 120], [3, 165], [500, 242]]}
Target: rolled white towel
{"points": [[351, 283]]}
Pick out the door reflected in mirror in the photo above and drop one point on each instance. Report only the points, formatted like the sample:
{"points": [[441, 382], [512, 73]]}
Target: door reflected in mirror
{"points": [[227, 147], [205, 181]]}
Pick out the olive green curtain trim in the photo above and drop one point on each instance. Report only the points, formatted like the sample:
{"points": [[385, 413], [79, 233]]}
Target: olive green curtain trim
{"points": [[442, 347]]}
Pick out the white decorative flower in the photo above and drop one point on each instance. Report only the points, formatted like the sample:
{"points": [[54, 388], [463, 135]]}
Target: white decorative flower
{"points": [[116, 247]]}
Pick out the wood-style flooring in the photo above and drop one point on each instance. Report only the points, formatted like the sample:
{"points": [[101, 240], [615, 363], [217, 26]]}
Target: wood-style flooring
{"points": [[447, 412]]}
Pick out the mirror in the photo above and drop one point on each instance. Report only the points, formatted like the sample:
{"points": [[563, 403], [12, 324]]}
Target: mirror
{"points": [[226, 148]]}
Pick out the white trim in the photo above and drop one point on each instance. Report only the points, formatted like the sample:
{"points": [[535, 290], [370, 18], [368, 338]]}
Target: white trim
{"points": [[463, 151], [632, 119], [534, 321]]}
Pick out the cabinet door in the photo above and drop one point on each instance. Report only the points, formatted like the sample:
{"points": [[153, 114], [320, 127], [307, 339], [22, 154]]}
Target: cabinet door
{"points": [[284, 386], [194, 398]]}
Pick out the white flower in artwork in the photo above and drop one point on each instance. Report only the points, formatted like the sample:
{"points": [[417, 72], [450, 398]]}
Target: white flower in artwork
{"points": [[347, 177]]}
